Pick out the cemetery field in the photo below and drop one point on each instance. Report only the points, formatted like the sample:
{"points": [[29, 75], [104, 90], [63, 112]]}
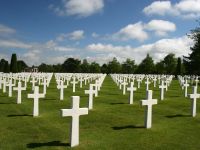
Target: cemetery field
{"points": [[112, 124]]}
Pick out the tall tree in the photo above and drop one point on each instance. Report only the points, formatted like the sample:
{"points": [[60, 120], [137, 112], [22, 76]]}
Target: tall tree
{"points": [[160, 67], [71, 65], [7, 67], [170, 63], [85, 66], [104, 69], [114, 66], [13, 63], [193, 61], [146, 66], [21, 65], [179, 68], [95, 68], [128, 66], [2, 65]]}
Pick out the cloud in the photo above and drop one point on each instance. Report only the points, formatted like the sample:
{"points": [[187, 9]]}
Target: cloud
{"points": [[13, 44], [158, 50], [75, 36], [4, 30], [188, 9], [80, 8], [161, 27], [131, 32]]}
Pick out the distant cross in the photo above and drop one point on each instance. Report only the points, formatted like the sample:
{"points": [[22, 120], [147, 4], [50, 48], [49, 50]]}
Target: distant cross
{"points": [[124, 83], [44, 86], [75, 112], [162, 87], [154, 81], [194, 97], [91, 92], [139, 81], [147, 84], [148, 112], [81, 82], [19, 92], [74, 82], [36, 95], [186, 87], [61, 86], [33, 81], [10, 85], [131, 89], [4, 85], [196, 81]]}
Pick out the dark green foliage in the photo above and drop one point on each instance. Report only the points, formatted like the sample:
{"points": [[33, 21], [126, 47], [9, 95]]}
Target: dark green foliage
{"points": [[2, 65], [21, 65], [6, 67], [104, 69], [179, 70], [193, 61], [146, 66], [114, 66], [71, 65], [85, 66], [95, 68], [13, 64], [160, 67], [128, 67], [170, 63]]}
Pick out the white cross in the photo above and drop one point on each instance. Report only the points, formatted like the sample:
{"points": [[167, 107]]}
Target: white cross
{"points": [[75, 112], [44, 86], [90, 92], [124, 87], [154, 81], [131, 89], [196, 81], [4, 85], [139, 81], [194, 97], [148, 112], [36, 95], [186, 86], [10, 85], [33, 82], [74, 84], [81, 82], [19, 92], [162, 87], [61, 87], [147, 84]]}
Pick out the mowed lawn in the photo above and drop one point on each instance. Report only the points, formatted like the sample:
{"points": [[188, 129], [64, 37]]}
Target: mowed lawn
{"points": [[112, 124]]}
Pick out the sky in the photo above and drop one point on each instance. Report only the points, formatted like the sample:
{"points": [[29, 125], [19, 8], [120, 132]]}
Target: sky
{"points": [[50, 31]]}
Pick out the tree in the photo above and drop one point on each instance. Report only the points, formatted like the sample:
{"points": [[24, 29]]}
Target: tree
{"points": [[128, 66], [146, 66], [2, 65], [21, 65], [13, 63], [179, 68], [114, 66], [85, 66], [95, 68], [170, 63], [71, 65], [160, 67], [7, 67], [193, 60], [104, 69]]}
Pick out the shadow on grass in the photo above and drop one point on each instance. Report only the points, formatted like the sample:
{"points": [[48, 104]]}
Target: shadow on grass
{"points": [[22, 115], [177, 115], [117, 103], [52, 143], [128, 127], [49, 99]]}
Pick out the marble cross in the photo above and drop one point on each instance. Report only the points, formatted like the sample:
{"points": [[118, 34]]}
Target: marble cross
{"points": [[10, 85], [186, 87], [147, 84], [36, 95], [131, 89], [74, 82], [90, 92], [162, 87], [194, 97], [124, 83], [74, 112], [19, 92], [61, 87], [148, 112]]}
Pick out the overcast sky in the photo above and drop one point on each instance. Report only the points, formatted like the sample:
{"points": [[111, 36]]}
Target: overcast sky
{"points": [[49, 31]]}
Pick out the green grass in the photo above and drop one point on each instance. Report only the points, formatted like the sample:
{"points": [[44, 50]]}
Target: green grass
{"points": [[112, 124]]}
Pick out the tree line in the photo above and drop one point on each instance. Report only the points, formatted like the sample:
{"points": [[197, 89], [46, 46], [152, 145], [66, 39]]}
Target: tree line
{"points": [[169, 65]]}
